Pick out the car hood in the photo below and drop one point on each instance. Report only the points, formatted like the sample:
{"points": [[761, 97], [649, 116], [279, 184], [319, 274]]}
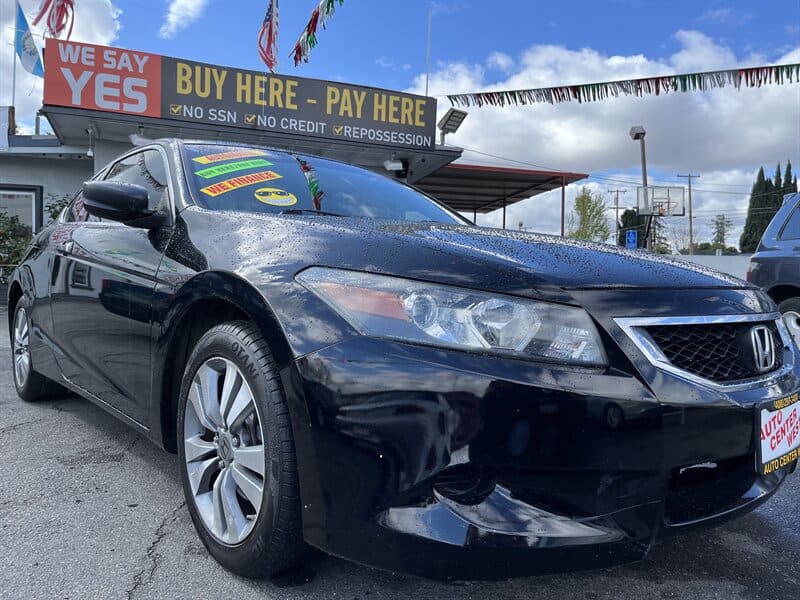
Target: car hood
{"points": [[569, 264], [493, 259]]}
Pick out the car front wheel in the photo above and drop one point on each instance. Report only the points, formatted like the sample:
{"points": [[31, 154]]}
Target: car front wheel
{"points": [[30, 385], [238, 463]]}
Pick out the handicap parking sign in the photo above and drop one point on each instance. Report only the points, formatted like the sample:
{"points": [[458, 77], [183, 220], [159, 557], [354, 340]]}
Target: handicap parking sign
{"points": [[630, 238]]}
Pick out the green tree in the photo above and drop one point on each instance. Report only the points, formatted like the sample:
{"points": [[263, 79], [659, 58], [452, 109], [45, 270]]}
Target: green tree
{"points": [[658, 232], [789, 185], [765, 200], [14, 238], [630, 220], [588, 219], [777, 184], [721, 226], [55, 205]]}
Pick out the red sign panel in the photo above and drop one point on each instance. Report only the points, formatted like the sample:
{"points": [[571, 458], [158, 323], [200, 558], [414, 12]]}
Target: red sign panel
{"points": [[101, 78]]}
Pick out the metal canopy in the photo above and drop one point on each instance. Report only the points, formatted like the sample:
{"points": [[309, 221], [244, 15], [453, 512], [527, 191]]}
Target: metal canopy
{"points": [[483, 188], [70, 125]]}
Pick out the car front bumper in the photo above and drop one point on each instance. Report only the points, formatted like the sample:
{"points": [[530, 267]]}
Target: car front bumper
{"points": [[460, 466]]}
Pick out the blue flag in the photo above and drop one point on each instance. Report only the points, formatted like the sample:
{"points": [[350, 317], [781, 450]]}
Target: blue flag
{"points": [[26, 49]]}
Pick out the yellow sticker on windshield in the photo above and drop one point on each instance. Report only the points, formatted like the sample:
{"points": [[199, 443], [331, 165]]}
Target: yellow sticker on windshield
{"points": [[229, 185], [275, 197]]}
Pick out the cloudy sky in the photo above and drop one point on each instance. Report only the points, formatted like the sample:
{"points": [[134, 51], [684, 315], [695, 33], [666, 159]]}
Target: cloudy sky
{"points": [[723, 135]]}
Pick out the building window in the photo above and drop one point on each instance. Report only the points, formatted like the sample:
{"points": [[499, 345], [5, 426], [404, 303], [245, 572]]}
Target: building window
{"points": [[19, 203]]}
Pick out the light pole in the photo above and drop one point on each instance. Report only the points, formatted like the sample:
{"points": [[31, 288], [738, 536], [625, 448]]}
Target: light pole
{"points": [[637, 132]]}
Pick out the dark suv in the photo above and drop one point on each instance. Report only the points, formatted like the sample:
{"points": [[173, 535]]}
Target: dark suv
{"points": [[776, 264]]}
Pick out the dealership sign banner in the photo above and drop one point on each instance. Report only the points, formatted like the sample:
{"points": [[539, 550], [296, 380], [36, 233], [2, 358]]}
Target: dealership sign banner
{"points": [[137, 83]]}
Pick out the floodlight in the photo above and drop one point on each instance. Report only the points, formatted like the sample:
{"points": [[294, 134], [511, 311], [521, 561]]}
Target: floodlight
{"points": [[452, 120], [637, 132], [137, 139], [393, 165]]}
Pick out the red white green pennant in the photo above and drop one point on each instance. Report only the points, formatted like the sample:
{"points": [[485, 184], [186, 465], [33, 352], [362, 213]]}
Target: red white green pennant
{"points": [[308, 39], [753, 77]]}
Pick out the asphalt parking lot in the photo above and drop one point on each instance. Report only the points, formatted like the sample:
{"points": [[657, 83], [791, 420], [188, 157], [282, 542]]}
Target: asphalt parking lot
{"points": [[90, 509]]}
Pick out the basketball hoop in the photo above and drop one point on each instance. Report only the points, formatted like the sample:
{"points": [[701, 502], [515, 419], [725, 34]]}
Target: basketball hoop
{"points": [[661, 201]]}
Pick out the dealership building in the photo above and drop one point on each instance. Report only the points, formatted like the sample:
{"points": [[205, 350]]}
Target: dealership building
{"points": [[102, 101]]}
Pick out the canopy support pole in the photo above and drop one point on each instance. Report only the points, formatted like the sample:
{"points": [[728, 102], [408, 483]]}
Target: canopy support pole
{"points": [[563, 203]]}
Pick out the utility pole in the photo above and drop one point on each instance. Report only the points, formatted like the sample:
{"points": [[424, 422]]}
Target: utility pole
{"points": [[616, 218], [691, 220]]}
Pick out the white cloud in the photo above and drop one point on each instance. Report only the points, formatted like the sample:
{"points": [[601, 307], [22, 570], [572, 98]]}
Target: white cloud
{"points": [[447, 8], [96, 22], [180, 15], [719, 15], [724, 134], [387, 63], [500, 61], [725, 16]]}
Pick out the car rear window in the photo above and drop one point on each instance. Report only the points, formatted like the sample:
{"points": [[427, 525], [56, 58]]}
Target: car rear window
{"points": [[266, 181], [791, 230]]}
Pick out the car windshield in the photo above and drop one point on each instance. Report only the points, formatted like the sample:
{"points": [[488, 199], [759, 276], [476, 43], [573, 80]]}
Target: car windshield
{"points": [[267, 181]]}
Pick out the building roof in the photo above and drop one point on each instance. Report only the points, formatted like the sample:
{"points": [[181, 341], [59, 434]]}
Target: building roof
{"points": [[484, 188], [71, 126], [41, 146]]}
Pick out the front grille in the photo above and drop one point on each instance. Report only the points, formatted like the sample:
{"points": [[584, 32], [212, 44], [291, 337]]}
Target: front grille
{"points": [[721, 352]]}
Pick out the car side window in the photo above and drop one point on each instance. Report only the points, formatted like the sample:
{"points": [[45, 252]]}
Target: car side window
{"points": [[146, 169], [791, 230], [77, 213]]}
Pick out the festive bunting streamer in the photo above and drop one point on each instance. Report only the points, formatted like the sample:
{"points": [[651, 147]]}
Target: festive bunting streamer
{"points": [[753, 77], [268, 37], [308, 39], [60, 16]]}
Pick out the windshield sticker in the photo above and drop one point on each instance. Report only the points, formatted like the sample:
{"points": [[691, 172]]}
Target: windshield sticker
{"points": [[241, 165], [212, 158], [313, 183], [229, 185], [275, 197]]}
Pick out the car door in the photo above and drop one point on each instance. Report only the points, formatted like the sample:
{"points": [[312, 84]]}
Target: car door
{"points": [[787, 267], [102, 281]]}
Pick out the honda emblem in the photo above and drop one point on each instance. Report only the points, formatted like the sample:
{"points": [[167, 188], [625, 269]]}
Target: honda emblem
{"points": [[763, 348]]}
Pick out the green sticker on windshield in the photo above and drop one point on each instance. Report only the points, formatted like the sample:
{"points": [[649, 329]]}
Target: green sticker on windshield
{"points": [[233, 167]]}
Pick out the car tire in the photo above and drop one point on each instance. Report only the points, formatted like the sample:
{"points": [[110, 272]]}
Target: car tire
{"points": [[235, 360], [31, 386], [790, 309]]}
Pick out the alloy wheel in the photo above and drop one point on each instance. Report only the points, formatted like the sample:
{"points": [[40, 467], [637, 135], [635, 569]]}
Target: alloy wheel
{"points": [[792, 320], [21, 345], [224, 450]]}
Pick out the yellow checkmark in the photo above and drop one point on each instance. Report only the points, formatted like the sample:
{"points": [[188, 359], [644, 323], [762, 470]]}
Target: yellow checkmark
{"points": [[175, 109], [250, 119], [338, 130]]}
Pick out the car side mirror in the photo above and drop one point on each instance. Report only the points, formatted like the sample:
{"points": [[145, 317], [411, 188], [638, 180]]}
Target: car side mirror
{"points": [[117, 201]]}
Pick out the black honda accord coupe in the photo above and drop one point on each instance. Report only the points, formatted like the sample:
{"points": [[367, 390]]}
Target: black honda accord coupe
{"points": [[341, 362]]}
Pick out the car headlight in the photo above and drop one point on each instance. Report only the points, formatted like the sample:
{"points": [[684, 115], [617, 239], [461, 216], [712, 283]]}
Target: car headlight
{"points": [[440, 315]]}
